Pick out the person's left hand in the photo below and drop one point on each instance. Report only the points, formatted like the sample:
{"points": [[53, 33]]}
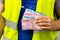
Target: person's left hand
{"points": [[45, 23]]}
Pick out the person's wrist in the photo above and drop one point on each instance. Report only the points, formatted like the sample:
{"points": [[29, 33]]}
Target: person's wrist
{"points": [[55, 25]]}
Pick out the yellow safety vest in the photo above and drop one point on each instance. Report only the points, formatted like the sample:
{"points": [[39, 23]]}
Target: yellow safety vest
{"points": [[12, 12]]}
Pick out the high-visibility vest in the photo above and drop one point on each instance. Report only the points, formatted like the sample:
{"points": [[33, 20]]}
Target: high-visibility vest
{"points": [[46, 7], [12, 12]]}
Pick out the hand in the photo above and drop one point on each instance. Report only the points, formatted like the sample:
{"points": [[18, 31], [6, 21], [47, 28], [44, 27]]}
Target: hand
{"points": [[45, 23]]}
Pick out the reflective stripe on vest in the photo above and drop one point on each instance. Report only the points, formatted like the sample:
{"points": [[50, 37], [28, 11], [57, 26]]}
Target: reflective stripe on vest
{"points": [[12, 11], [6, 39], [11, 24]]}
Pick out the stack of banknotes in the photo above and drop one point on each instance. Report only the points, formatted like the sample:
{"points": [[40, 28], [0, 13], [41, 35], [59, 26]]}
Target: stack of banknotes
{"points": [[28, 20]]}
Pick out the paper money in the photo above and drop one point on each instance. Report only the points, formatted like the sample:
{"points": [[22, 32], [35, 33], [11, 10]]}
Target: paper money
{"points": [[28, 20]]}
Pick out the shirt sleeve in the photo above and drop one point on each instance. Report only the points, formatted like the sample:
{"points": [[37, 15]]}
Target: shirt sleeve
{"points": [[1, 0], [57, 4]]}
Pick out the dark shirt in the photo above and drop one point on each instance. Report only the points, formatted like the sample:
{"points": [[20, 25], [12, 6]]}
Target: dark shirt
{"points": [[26, 34]]}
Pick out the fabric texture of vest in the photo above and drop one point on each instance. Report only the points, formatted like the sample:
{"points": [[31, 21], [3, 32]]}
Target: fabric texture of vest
{"points": [[46, 7], [12, 12]]}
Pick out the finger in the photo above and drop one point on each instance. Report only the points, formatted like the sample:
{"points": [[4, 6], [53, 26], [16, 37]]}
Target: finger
{"points": [[43, 21], [43, 24], [45, 28], [42, 17], [39, 17]]}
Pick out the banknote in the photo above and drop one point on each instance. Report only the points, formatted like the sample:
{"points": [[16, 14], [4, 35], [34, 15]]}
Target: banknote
{"points": [[28, 20]]}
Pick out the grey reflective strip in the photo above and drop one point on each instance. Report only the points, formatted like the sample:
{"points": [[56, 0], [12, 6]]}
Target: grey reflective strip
{"points": [[36, 31], [1, 0], [58, 37], [11, 24], [5, 38]]}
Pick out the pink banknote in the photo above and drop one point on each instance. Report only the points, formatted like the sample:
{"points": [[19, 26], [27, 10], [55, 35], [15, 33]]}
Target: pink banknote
{"points": [[28, 20]]}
